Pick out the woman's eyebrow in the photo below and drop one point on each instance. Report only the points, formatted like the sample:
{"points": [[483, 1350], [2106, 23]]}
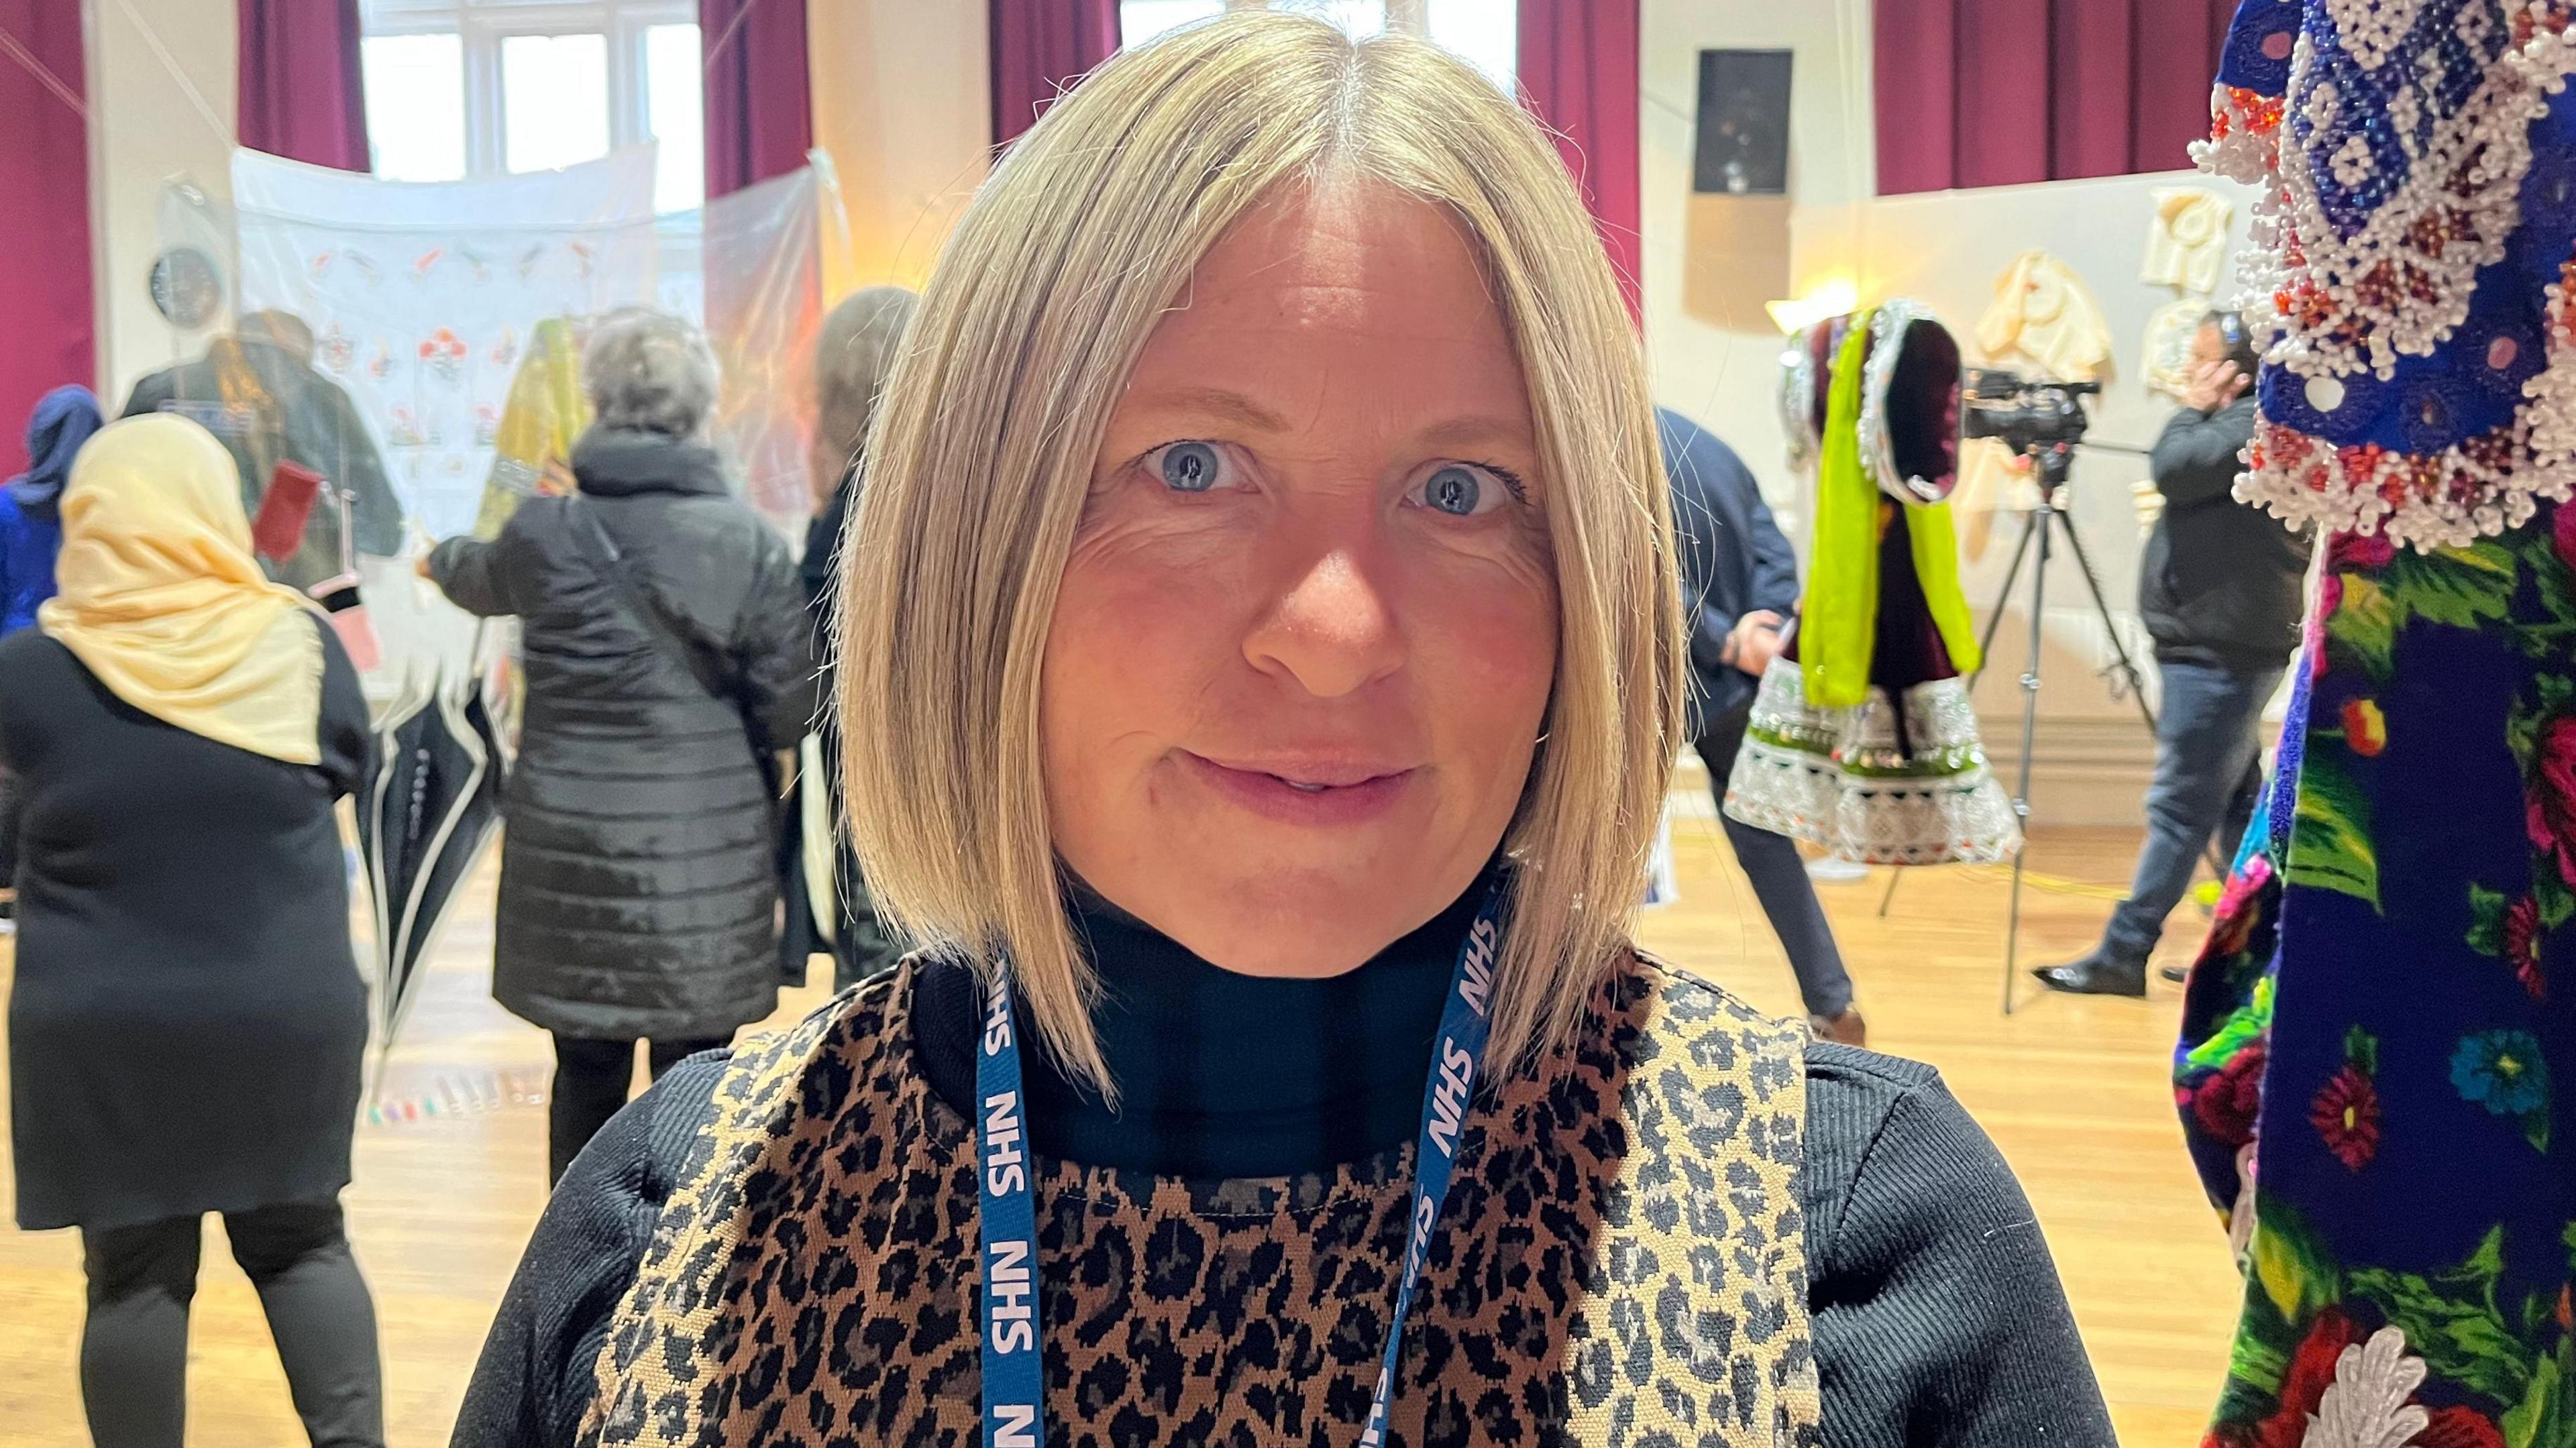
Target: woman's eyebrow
{"points": [[1218, 402], [1472, 431], [1479, 432]]}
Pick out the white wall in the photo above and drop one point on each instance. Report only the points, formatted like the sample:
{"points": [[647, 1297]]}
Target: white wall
{"points": [[161, 90], [901, 103], [1710, 262]]}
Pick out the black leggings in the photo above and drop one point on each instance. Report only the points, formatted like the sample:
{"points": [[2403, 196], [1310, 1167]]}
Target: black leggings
{"points": [[591, 1078], [134, 1348]]}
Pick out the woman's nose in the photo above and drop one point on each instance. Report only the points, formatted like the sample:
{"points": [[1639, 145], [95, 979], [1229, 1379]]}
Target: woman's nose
{"points": [[1331, 627]]}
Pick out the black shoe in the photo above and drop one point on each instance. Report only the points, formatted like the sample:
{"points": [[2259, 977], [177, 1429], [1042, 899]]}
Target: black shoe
{"points": [[2099, 973]]}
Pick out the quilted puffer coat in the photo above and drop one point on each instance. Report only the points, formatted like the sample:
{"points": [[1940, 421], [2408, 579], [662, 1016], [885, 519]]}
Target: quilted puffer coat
{"points": [[638, 889]]}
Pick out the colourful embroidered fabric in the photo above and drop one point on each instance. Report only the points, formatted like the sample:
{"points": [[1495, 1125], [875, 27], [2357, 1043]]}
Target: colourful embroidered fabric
{"points": [[2418, 166], [2365, 1070]]}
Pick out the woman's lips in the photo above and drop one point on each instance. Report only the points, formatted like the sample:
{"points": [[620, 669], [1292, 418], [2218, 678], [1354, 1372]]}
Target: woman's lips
{"points": [[1306, 794]]}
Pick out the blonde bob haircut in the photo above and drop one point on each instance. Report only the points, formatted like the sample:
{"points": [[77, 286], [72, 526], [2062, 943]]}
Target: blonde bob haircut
{"points": [[983, 456]]}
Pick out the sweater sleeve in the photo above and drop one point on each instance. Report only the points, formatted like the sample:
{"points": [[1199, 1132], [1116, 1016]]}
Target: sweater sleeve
{"points": [[475, 575], [1775, 563], [1939, 1320], [774, 653], [347, 739], [2198, 457], [537, 1377]]}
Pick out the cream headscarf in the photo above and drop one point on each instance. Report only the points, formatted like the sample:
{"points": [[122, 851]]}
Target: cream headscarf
{"points": [[162, 600]]}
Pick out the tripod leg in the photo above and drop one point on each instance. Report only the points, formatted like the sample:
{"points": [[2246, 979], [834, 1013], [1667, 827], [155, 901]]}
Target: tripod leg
{"points": [[2003, 595], [2129, 671], [1894, 874], [2128, 666], [2029, 739]]}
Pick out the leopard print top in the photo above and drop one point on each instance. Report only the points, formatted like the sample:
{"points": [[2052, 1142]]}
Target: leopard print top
{"points": [[1621, 1261]]}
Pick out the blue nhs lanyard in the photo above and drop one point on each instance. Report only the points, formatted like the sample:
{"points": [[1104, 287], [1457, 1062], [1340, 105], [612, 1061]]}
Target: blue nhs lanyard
{"points": [[1014, 1378]]}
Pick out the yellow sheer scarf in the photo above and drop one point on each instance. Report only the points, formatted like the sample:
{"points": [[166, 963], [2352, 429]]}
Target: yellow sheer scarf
{"points": [[1838, 629], [161, 599]]}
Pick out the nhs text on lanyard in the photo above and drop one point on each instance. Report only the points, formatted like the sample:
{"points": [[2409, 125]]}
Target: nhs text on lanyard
{"points": [[1014, 1379]]}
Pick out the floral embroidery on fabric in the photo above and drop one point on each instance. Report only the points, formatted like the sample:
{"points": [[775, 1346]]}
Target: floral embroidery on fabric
{"points": [[2346, 1109], [2505, 1072], [2378, 975]]}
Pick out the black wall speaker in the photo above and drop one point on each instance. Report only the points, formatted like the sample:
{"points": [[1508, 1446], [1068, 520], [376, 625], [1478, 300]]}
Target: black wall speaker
{"points": [[1743, 142]]}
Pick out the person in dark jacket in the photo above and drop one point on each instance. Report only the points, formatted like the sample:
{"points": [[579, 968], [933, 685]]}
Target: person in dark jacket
{"points": [[257, 390], [1739, 583], [668, 660], [2221, 590], [851, 363], [187, 1018]]}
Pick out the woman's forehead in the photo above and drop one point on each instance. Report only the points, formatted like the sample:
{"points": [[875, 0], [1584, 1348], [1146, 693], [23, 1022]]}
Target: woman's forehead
{"points": [[1342, 255], [1350, 301]]}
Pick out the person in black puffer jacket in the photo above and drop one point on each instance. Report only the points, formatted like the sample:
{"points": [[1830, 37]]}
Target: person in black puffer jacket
{"points": [[668, 660], [2221, 590]]}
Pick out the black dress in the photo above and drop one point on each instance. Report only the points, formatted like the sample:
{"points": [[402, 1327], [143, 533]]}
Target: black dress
{"points": [[187, 1020]]}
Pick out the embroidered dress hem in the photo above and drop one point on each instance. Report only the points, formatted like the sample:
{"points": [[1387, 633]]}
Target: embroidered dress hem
{"points": [[1853, 781]]}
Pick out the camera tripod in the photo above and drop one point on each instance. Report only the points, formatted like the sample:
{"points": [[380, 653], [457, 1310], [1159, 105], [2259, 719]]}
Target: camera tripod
{"points": [[2047, 524], [2049, 520]]}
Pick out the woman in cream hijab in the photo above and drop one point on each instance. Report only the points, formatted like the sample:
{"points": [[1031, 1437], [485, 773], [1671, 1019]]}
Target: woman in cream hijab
{"points": [[182, 728]]}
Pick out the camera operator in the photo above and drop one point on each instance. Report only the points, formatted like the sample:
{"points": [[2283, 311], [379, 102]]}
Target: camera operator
{"points": [[2220, 589], [1739, 582]]}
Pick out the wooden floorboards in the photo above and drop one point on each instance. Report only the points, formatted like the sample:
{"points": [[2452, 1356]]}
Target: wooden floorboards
{"points": [[2073, 1090]]}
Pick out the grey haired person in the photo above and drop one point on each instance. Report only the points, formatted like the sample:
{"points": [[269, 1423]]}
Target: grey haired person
{"points": [[668, 663]]}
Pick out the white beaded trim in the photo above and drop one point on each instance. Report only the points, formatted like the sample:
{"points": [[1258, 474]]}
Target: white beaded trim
{"points": [[2483, 485], [1798, 400], [1889, 329], [2243, 151], [2474, 167]]}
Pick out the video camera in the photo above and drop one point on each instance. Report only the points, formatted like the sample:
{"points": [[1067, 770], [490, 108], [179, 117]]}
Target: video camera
{"points": [[2024, 414]]}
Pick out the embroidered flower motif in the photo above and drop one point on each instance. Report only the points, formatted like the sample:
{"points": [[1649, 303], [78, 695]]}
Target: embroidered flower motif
{"points": [[2521, 941], [2359, 552], [2310, 1374], [2563, 535], [2228, 1101], [2549, 812], [2346, 1114], [2458, 1427], [2503, 1072], [2369, 1403], [2365, 729]]}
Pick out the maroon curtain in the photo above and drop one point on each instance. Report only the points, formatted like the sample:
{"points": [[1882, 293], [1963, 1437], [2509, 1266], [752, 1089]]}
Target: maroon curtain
{"points": [[44, 186], [1038, 49], [760, 111], [1578, 71], [2005, 92], [301, 93]]}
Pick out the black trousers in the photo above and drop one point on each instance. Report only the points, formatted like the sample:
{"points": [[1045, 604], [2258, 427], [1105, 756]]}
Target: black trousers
{"points": [[1779, 879], [134, 1347], [591, 1080]]}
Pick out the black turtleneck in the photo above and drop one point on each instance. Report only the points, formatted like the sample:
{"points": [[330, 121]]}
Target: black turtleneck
{"points": [[1220, 1074]]}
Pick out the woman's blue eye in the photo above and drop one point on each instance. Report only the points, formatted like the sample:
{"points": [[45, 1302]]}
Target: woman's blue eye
{"points": [[1190, 467], [1458, 491]]}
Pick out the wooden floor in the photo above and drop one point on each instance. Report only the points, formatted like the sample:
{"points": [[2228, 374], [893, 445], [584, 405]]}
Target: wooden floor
{"points": [[2074, 1091]]}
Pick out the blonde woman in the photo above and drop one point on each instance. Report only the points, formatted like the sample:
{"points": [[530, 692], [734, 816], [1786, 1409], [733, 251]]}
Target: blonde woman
{"points": [[1262, 659]]}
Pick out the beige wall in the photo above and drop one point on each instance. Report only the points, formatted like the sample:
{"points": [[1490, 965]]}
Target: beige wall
{"points": [[900, 104], [145, 59]]}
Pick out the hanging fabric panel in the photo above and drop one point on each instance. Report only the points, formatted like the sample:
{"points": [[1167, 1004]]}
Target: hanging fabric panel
{"points": [[1578, 71], [759, 93], [301, 95]]}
